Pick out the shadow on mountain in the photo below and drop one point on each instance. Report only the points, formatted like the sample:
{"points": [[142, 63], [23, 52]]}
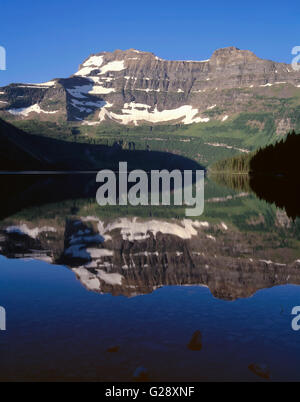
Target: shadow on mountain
{"points": [[20, 151]]}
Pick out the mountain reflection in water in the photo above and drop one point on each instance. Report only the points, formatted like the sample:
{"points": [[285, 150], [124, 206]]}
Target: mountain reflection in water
{"points": [[238, 246]]}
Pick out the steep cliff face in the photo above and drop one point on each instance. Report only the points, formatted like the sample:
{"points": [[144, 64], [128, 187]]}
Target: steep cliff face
{"points": [[135, 87]]}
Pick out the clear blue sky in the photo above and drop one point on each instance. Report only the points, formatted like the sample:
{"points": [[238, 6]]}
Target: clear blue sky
{"points": [[47, 39]]}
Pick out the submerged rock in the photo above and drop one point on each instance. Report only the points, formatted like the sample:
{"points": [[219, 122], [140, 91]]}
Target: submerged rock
{"points": [[141, 374], [113, 349], [196, 341], [261, 370]]}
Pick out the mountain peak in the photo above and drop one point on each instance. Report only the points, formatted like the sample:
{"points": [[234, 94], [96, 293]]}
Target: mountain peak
{"points": [[231, 53]]}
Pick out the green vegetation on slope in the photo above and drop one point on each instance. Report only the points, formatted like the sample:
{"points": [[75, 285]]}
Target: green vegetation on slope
{"points": [[278, 158], [271, 113]]}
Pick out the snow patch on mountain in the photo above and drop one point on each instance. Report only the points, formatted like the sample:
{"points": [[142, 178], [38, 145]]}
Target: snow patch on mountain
{"points": [[45, 84], [25, 111], [99, 90], [85, 71], [83, 103], [117, 65], [136, 112], [96, 61], [81, 91], [133, 105]]}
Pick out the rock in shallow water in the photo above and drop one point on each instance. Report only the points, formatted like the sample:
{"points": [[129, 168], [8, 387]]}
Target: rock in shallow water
{"points": [[141, 374], [113, 349], [261, 370], [195, 343]]}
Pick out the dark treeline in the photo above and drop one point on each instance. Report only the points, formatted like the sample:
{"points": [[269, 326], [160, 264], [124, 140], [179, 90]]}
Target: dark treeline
{"points": [[278, 158]]}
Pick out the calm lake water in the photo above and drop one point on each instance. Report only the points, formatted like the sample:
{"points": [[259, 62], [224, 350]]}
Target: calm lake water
{"points": [[95, 293]]}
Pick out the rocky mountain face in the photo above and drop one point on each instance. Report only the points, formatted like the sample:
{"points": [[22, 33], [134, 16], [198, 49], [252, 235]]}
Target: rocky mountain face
{"points": [[134, 87]]}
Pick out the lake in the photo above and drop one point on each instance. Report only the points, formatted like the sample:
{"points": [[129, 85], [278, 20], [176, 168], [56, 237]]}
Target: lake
{"points": [[107, 293]]}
